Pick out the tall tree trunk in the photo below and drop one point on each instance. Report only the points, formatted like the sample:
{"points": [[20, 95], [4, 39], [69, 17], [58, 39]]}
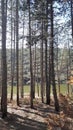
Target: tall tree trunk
{"points": [[22, 58], [68, 65], [52, 63], [72, 27], [42, 83], [12, 80], [4, 61], [17, 52], [34, 77], [58, 72], [22, 87], [41, 51], [31, 70], [72, 18], [11, 56], [37, 82], [46, 59], [67, 76]]}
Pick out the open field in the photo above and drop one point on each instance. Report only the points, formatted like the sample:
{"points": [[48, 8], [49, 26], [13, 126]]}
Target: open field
{"points": [[63, 89]]}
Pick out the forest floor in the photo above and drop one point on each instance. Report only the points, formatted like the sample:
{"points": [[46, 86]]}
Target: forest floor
{"points": [[42, 117]]}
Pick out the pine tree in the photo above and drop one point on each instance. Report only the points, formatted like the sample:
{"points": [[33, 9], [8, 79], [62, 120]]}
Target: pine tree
{"points": [[4, 61]]}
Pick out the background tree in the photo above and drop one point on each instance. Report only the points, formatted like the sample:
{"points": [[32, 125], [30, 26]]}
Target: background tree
{"points": [[31, 71], [17, 50], [52, 62]]}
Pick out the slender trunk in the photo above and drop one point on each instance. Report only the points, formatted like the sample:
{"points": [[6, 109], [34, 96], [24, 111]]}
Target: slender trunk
{"points": [[4, 61], [52, 63], [37, 82], [46, 59], [17, 53], [31, 70], [68, 65], [42, 87], [58, 73], [34, 82], [22, 89], [67, 77], [11, 57], [72, 18], [71, 66], [13, 66], [41, 51], [22, 86], [49, 78]]}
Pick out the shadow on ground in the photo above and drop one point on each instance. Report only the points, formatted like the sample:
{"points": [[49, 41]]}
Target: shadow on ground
{"points": [[19, 122], [16, 122]]}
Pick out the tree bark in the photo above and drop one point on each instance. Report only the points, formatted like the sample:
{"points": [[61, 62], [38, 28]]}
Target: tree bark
{"points": [[46, 59], [17, 52], [42, 83], [22, 85], [12, 80], [11, 56], [52, 63], [31, 70], [72, 18], [4, 61]]}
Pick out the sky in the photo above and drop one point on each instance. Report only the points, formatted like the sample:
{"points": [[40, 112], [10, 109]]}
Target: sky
{"points": [[63, 16]]}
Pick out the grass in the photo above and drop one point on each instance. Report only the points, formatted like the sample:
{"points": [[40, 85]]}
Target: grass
{"points": [[26, 89], [63, 89]]}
